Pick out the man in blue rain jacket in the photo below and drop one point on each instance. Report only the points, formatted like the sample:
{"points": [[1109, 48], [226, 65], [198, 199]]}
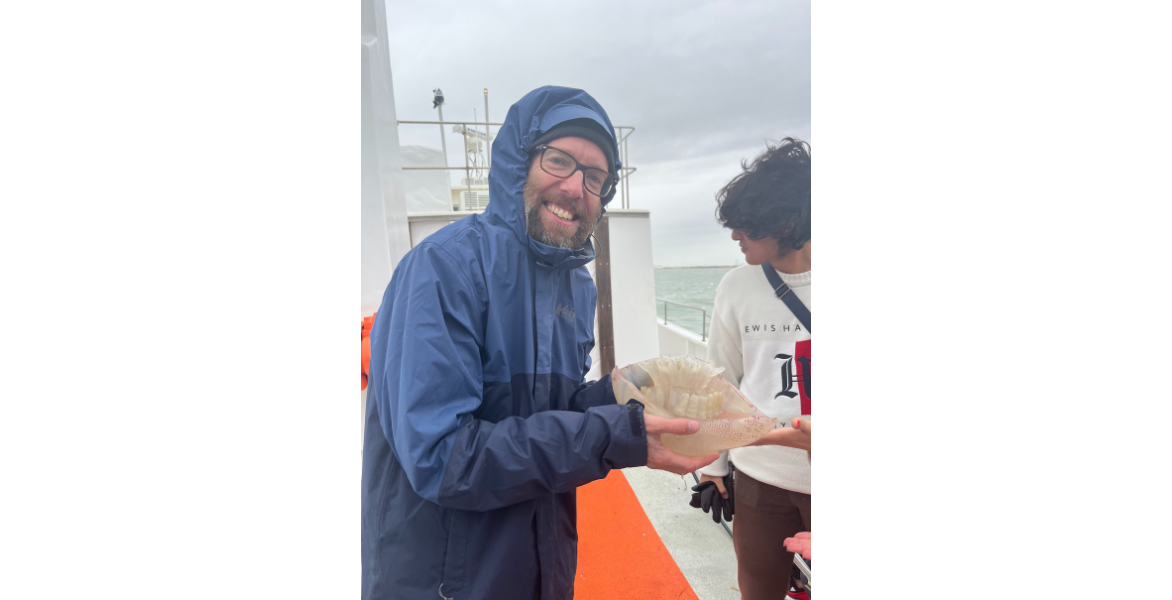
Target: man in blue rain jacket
{"points": [[479, 424]]}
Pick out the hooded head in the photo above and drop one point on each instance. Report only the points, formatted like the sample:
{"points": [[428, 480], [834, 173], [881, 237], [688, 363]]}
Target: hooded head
{"points": [[549, 132]]}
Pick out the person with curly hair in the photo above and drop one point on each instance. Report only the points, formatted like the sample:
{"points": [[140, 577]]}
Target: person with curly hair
{"points": [[765, 351]]}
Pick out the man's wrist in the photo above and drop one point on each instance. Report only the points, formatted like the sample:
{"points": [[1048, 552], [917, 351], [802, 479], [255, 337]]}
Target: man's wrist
{"points": [[635, 418], [627, 445], [637, 427]]}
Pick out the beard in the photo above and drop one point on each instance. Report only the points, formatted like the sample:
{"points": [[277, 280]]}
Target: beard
{"points": [[559, 239]]}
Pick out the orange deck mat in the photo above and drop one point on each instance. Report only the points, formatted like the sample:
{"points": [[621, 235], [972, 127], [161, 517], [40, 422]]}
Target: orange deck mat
{"points": [[620, 557]]}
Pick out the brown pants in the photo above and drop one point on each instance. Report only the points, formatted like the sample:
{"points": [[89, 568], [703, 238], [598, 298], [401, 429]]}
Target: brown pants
{"points": [[765, 516]]}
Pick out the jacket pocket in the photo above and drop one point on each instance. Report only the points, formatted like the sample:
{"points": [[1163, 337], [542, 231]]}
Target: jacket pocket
{"points": [[456, 554]]}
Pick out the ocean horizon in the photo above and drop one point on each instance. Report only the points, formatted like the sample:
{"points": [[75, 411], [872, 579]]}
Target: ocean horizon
{"points": [[691, 287], [657, 267]]}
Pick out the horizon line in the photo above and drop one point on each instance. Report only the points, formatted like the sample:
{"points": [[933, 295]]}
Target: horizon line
{"points": [[698, 267]]}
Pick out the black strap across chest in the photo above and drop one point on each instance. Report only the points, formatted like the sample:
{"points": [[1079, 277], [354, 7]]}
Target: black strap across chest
{"points": [[784, 292]]}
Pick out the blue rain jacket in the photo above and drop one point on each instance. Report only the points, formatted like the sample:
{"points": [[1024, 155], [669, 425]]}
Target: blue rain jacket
{"points": [[479, 424]]}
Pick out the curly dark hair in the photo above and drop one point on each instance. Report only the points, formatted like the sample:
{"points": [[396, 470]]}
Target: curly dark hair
{"points": [[771, 198]]}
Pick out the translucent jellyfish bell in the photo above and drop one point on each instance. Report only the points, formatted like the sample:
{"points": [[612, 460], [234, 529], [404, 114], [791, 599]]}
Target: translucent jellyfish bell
{"points": [[675, 387]]}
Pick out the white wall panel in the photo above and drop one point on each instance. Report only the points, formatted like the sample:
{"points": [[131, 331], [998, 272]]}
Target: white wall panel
{"points": [[632, 274]]}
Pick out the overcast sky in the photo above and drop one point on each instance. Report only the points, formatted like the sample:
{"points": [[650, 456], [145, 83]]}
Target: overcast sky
{"points": [[705, 84]]}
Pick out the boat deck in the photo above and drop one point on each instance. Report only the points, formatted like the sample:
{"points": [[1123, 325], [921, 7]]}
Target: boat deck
{"points": [[639, 538]]}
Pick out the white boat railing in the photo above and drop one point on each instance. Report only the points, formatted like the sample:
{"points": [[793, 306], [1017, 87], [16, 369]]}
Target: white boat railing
{"points": [[622, 132], [469, 166], [703, 316]]}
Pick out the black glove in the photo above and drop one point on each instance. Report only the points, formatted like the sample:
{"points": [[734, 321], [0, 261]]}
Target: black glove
{"points": [[707, 497]]}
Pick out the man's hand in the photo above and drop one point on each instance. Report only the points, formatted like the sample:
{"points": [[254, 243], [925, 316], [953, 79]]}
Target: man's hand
{"points": [[797, 435], [799, 544], [659, 457]]}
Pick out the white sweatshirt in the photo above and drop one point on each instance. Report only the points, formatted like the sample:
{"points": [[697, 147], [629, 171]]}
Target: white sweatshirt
{"points": [[765, 353]]}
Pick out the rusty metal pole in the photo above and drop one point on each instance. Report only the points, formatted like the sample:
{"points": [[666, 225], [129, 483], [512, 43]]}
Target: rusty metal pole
{"points": [[605, 311]]}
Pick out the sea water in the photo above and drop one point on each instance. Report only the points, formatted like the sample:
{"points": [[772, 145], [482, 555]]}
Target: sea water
{"points": [[692, 286]]}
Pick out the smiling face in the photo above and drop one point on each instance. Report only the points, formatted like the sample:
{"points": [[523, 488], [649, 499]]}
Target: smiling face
{"points": [[561, 213], [756, 251]]}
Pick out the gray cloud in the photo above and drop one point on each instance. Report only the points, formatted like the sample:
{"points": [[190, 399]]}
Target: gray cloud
{"points": [[705, 84]]}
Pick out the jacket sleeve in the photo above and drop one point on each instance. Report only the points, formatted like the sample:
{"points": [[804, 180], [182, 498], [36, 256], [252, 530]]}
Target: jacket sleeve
{"points": [[724, 350], [593, 394], [431, 383], [498, 464]]}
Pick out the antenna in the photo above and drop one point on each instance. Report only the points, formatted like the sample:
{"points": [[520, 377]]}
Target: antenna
{"points": [[438, 102]]}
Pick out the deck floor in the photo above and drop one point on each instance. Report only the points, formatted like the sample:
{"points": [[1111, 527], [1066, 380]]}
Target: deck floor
{"points": [[702, 550], [639, 539]]}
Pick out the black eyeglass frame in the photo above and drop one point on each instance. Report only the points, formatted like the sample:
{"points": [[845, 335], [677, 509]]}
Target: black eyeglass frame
{"points": [[611, 179]]}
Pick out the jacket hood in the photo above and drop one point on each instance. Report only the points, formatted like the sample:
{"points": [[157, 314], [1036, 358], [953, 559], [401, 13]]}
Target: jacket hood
{"points": [[533, 115]]}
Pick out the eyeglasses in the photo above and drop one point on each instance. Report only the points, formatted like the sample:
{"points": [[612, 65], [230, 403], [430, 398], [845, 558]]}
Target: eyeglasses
{"points": [[562, 165]]}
